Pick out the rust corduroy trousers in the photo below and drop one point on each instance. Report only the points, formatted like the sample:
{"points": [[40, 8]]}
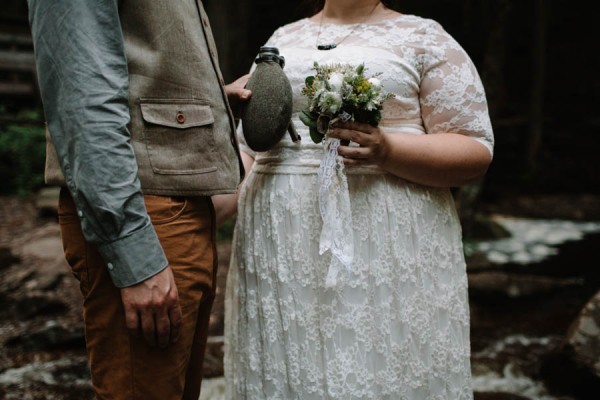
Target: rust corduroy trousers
{"points": [[123, 366]]}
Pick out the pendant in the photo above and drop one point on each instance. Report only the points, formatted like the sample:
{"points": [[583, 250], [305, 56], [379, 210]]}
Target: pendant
{"points": [[327, 46]]}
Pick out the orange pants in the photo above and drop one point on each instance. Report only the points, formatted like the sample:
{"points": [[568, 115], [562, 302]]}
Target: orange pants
{"points": [[124, 366]]}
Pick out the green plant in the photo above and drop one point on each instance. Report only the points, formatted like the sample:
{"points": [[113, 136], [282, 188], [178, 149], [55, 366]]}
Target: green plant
{"points": [[22, 154]]}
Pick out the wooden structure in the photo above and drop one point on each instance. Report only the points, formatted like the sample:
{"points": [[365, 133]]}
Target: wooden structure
{"points": [[18, 78]]}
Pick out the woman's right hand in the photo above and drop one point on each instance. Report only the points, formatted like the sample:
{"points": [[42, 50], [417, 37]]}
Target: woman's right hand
{"points": [[373, 143]]}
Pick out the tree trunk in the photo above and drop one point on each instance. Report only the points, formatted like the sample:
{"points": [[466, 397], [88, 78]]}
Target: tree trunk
{"points": [[537, 83], [492, 75]]}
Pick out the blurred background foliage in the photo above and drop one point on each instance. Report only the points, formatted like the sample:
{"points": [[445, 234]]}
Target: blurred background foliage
{"points": [[22, 154]]}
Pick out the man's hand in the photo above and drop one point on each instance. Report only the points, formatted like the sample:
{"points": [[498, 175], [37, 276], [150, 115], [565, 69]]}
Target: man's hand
{"points": [[237, 95], [153, 306]]}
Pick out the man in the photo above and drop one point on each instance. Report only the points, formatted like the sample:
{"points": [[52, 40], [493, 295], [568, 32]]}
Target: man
{"points": [[135, 102]]}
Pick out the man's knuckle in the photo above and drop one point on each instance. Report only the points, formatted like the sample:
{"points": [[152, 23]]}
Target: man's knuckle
{"points": [[144, 305]]}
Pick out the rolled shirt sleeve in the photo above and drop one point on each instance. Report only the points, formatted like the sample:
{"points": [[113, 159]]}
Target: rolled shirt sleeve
{"points": [[82, 73]]}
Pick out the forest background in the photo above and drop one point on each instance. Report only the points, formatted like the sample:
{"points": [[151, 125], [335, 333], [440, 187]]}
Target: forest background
{"points": [[536, 58]]}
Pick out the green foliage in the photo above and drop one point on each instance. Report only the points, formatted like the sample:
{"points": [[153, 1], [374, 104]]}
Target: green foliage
{"points": [[22, 155]]}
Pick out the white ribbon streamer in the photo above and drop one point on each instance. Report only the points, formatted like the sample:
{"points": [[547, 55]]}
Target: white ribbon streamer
{"points": [[334, 204]]}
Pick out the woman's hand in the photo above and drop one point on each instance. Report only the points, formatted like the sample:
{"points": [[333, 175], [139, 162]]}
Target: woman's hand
{"points": [[374, 144]]}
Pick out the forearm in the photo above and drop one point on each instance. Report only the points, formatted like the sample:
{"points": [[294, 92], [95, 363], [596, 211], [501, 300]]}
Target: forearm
{"points": [[226, 204], [438, 160], [225, 207]]}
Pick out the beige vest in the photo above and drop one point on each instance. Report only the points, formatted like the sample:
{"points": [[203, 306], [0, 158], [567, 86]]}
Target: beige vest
{"points": [[182, 129]]}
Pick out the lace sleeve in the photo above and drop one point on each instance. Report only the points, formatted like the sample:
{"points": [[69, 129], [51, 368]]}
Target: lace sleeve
{"points": [[452, 96]]}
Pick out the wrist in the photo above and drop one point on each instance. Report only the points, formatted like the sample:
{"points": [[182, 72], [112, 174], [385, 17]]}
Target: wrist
{"points": [[383, 158]]}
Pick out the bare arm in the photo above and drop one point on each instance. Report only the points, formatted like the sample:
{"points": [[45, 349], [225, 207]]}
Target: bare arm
{"points": [[226, 204], [458, 145], [440, 160]]}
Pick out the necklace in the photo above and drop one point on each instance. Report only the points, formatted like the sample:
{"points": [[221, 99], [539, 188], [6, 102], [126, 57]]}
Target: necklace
{"points": [[334, 45]]}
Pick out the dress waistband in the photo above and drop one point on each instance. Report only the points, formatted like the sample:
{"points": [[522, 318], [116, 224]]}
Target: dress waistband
{"points": [[302, 159], [305, 157]]}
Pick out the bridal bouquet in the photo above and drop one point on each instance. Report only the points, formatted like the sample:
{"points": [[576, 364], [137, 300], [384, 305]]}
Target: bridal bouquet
{"points": [[341, 91]]}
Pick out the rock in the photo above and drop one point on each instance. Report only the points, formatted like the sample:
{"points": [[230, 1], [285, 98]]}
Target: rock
{"points": [[574, 368], [565, 376], [477, 260], [580, 207], [64, 378], [43, 251], [213, 357], [486, 228], [583, 337], [7, 258], [498, 396], [46, 202], [213, 389], [50, 337], [31, 306], [48, 277], [515, 285], [16, 281], [46, 246]]}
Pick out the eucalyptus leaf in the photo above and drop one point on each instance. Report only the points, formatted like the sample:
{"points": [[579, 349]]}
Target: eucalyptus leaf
{"points": [[308, 119], [315, 135]]}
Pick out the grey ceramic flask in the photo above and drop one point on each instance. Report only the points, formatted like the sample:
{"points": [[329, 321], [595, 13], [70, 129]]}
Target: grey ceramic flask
{"points": [[267, 115]]}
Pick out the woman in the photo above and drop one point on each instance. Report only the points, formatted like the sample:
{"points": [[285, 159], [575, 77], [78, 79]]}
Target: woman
{"points": [[396, 325]]}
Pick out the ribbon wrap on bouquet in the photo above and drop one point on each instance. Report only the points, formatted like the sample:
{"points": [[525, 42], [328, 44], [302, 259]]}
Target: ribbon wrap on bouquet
{"points": [[334, 204]]}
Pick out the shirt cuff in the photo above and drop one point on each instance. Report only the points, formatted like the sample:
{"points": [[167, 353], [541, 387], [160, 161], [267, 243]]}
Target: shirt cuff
{"points": [[134, 258]]}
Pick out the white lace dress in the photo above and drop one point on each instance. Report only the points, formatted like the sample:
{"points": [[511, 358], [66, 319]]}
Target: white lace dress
{"points": [[397, 325]]}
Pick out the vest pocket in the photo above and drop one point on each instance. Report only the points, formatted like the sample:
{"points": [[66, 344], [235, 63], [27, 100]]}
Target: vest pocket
{"points": [[178, 134]]}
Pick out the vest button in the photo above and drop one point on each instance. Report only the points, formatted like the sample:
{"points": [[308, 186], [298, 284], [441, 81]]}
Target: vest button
{"points": [[180, 117]]}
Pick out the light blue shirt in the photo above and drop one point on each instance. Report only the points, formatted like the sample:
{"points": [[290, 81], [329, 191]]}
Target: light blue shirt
{"points": [[83, 79]]}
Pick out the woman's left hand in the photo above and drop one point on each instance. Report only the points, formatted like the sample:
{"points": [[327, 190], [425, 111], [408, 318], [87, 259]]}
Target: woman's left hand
{"points": [[374, 146]]}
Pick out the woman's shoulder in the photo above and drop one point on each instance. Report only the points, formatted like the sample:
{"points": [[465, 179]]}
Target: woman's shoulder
{"points": [[423, 32], [424, 25]]}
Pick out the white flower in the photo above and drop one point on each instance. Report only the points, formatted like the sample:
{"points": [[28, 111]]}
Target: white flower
{"points": [[336, 80], [375, 82], [330, 102]]}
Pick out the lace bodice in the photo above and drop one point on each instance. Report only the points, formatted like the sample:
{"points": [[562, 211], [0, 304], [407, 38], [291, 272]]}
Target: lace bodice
{"points": [[436, 85]]}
